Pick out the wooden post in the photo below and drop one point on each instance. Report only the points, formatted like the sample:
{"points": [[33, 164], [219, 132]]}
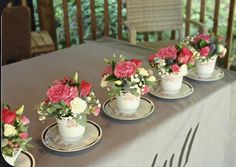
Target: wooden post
{"points": [[106, 18], [23, 3], [229, 36], [202, 14], [188, 14], [146, 36], [173, 34], [216, 16], [93, 19], [66, 23], [119, 8], [159, 36], [80, 23], [46, 18]]}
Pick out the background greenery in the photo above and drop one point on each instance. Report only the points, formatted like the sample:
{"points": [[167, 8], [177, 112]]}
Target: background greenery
{"points": [[99, 12]]}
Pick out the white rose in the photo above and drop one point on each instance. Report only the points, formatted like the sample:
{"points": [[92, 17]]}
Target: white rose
{"points": [[104, 83], [183, 70], [143, 72], [78, 105], [9, 130], [151, 79], [118, 82]]}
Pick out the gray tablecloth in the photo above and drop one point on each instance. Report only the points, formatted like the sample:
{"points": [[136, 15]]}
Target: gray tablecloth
{"points": [[196, 131]]}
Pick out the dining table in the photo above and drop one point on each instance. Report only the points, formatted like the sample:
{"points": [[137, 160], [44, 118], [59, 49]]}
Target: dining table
{"points": [[196, 131]]}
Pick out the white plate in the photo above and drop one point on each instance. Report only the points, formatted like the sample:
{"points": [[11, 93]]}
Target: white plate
{"points": [[25, 159], [53, 140], [185, 90], [145, 108], [216, 75]]}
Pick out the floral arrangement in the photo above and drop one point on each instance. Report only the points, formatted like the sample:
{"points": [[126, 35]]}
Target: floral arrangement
{"points": [[172, 60], [14, 130], [123, 74], [69, 98], [207, 46]]}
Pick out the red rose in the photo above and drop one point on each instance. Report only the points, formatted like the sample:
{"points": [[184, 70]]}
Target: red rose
{"points": [[125, 69], [175, 68], [169, 52], [84, 89], [137, 62], [8, 117], [185, 56], [151, 58], [24, 120], [205, 51], [107, 70], [23, 135]]}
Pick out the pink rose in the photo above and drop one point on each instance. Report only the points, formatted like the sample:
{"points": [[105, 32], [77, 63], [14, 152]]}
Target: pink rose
{"points": [[175, 68], [84, 89], [56, 82], [107, 70], [205, 51], [137, 62], [151, 58], [23, 135], [185, 55], [69, 94], [145, 90], [125, 69], [24, 120], [220, 38], [96, 111], [67, 80], [167, 53], [8, 117], [61, 92], [191, 61], [204, 37]]}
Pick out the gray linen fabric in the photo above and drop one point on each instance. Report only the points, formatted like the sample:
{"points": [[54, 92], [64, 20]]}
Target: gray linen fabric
{"points": [[196, 131]]}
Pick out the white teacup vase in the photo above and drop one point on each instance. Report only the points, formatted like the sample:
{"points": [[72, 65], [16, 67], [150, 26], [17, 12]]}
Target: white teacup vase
{"points": [[127, 102], [69, 129], [204, 69], [171, 84]]}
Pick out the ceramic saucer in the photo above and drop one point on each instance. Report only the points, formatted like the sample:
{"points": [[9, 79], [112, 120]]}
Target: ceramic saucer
{"points": [[145, 108], [185, 90], [25, 159], [216, 75], [53, 140]]}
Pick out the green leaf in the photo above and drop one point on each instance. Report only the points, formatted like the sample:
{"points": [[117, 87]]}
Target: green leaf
{"points": [[113, 65], [203, 43], [106, 61], [86, 111], [51, 110], [57, 106], [4, 142], [111, 78]]}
